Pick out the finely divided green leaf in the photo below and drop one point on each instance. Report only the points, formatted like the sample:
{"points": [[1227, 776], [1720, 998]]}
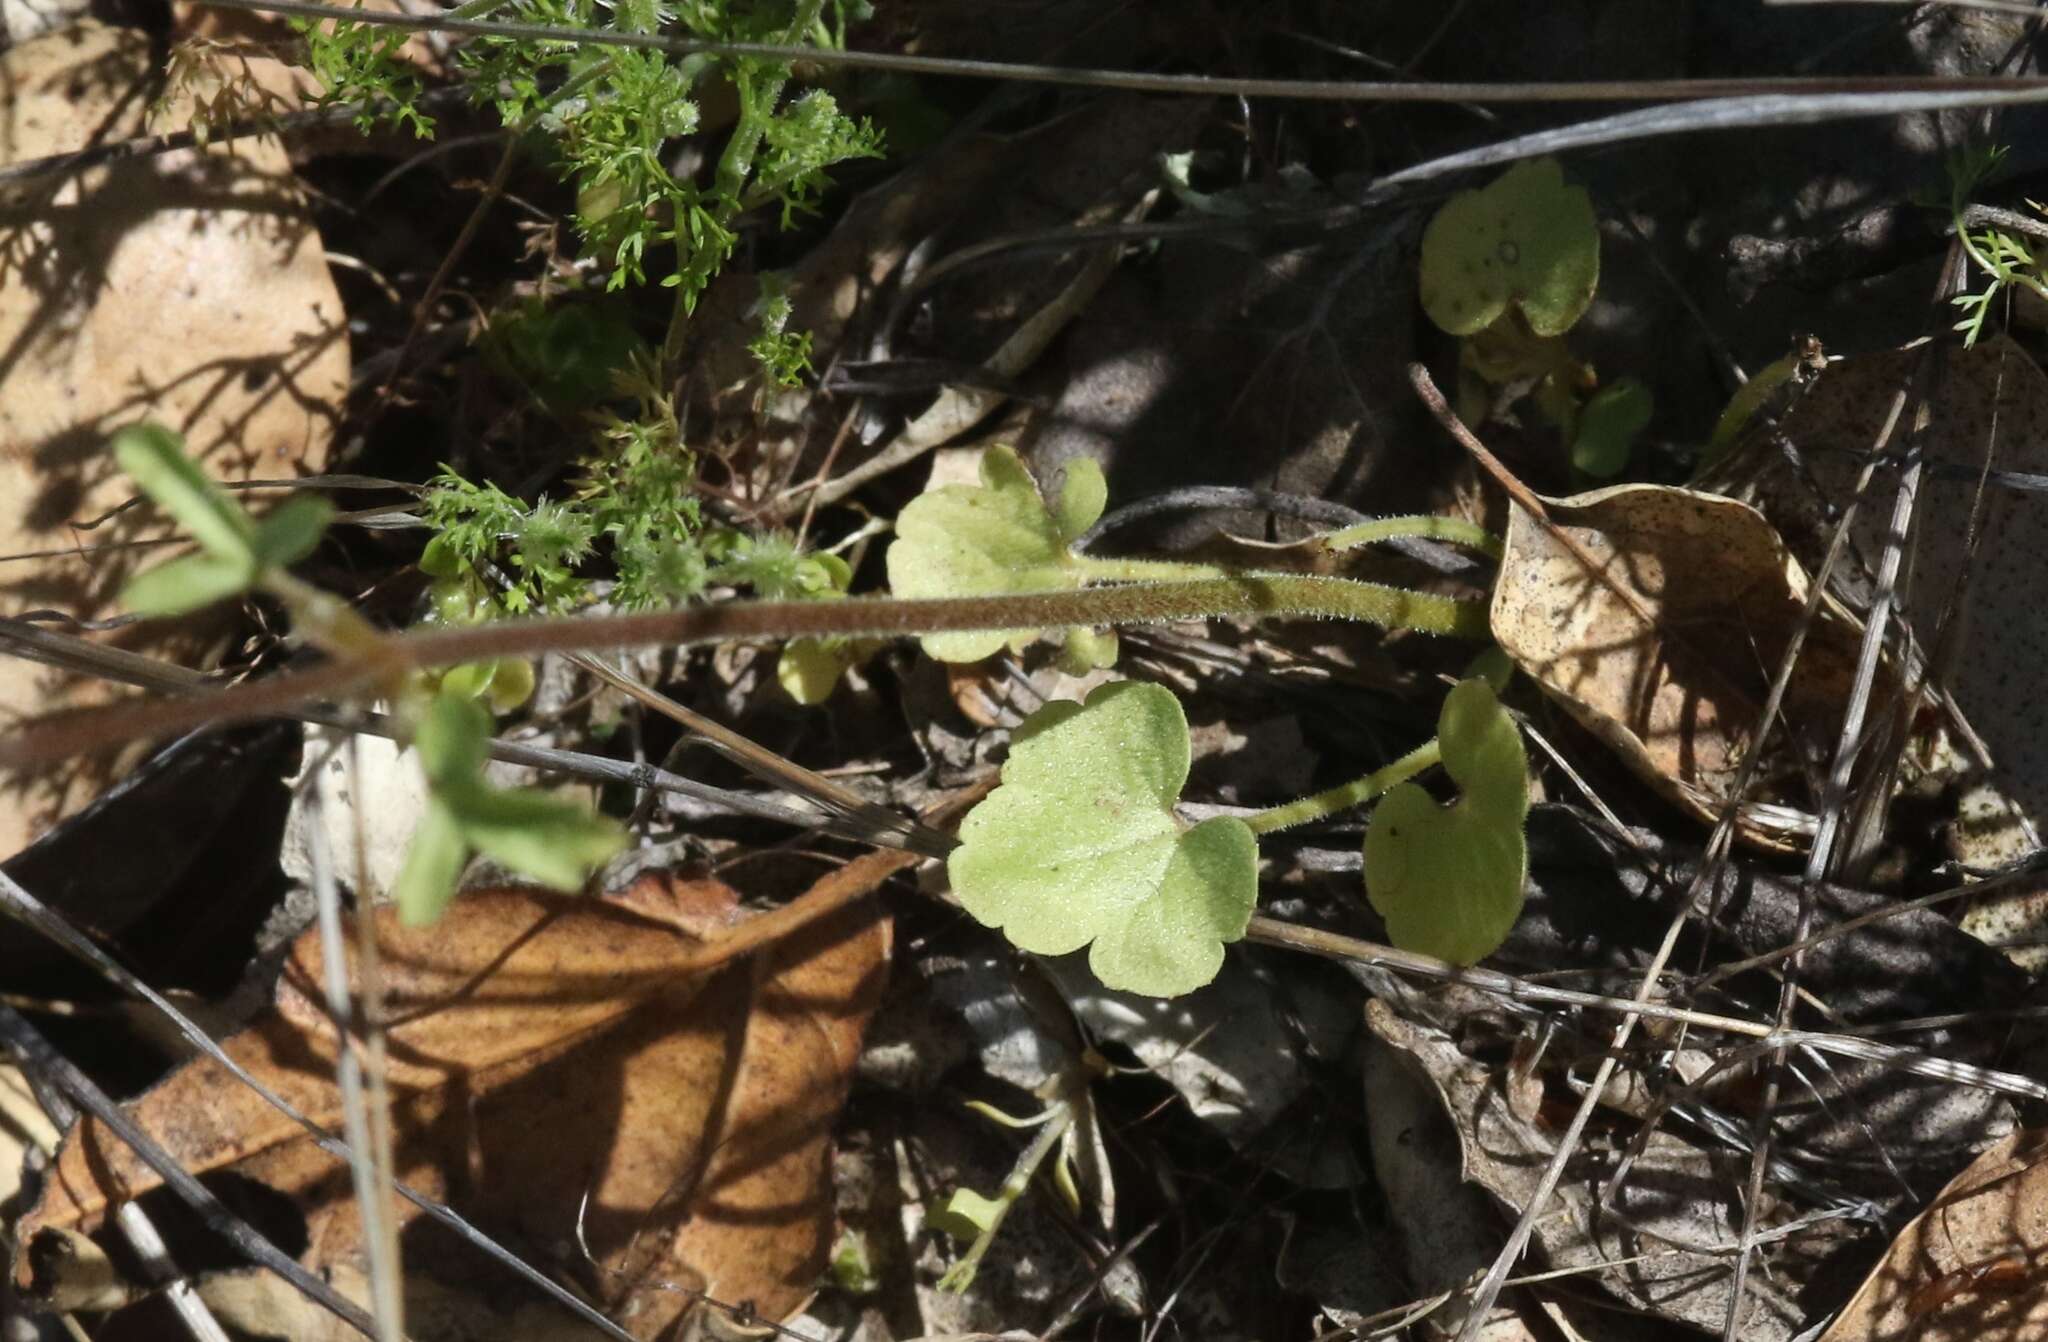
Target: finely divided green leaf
{"points": [[1448, 879], [1080, 844]]}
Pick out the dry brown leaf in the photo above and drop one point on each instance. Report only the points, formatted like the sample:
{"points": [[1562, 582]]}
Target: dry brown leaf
{"points": [[1992, 404], [189, 288], [1658, 1241], [1676, 697], [557, 1063], [1973, 1267]]}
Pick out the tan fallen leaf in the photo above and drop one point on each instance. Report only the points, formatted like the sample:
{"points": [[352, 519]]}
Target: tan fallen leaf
{"points": [[1973, 1267], [1991, 405], [189, 288], [1671, 670], [561, 1067]]}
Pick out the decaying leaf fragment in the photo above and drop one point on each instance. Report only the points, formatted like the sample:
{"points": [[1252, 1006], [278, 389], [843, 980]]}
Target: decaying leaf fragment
{"points": [[1658, 1241], [1973, 1267], [189, 288], [557, 1063], [1667, 650]]}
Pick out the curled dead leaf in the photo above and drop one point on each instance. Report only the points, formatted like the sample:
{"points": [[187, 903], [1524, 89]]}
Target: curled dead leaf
{"points": [[1973, 1267], [560, 1067], [1666, 651], [189, 288]]}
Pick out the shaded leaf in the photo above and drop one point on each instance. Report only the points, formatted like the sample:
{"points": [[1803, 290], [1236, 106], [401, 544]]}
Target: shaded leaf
{"points": [[1972, 1267], [1080, 844], [190, 287], [1608, 426], [1527, 239]]}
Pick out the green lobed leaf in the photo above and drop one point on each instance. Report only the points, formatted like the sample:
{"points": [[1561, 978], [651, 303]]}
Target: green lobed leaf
{"points": [[1080, 844], [1448, 879], [154, 457], [988, 539], [1527, 239]]}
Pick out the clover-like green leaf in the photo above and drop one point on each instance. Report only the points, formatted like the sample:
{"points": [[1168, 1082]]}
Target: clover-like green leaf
{"points": [[291, 530], [185, 584], [1527, 239], [1608, 427], [154, 457], [992, 538], [1448, 879], [555, 842], [1080, 844]]}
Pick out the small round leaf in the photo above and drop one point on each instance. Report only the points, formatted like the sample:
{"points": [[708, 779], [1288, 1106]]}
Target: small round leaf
{"points": [[1609, 425], [1448, 879], [1080, 844], [1527, 239]]}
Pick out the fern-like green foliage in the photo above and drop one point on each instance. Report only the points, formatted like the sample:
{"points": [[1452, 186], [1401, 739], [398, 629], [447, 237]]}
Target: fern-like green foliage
{"points": [[2006, 259], [358, 63]]}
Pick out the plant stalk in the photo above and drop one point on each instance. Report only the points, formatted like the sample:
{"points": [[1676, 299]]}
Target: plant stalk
{"points": [[1282, 596], [1347, 795], [1426, 526]]}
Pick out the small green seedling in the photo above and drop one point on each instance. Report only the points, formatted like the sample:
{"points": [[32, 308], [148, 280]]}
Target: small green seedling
{"points": [[2007, 259], [1448, 879], [999, 537], [1067, 1122], [1526, 241], [1608, 427], [1080, 844], [236, 552], [810, 669], [546, 838], [550, 840]]}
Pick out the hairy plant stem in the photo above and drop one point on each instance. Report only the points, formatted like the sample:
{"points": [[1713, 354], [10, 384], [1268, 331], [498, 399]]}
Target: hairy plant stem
{"points": [[1145, 570], [1271, 596], [1347, 795], [1425, 526]]}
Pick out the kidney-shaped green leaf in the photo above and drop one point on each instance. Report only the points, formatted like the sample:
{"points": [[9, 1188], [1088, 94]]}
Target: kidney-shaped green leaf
{"points": [[1080, 844], [1527, 239], [1448, 879], [989, 539]]}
